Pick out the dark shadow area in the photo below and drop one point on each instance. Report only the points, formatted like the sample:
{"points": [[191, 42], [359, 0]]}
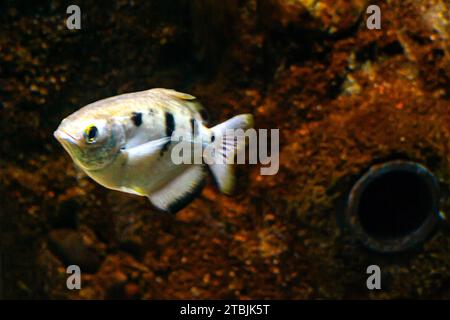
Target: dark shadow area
{"points": [[394, 205]]}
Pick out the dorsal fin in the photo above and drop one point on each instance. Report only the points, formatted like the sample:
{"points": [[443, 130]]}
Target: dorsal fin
{"points": [[174, 93], [189, 101]]}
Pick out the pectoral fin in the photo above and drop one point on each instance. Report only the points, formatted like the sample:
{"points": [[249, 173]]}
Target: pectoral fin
{"points": [[147, 150], [145, 168]]}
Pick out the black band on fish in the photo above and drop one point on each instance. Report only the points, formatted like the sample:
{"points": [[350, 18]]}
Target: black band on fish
{"points": [[170, 128], [170, 124], [137, 118], [194, 127], [164, 148]]}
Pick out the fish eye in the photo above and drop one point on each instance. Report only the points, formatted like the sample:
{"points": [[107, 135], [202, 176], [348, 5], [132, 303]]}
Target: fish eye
{"points": [[90, 134]]}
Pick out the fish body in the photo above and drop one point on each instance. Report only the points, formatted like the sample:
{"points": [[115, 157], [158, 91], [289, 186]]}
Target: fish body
{"points": [[125, 143]]}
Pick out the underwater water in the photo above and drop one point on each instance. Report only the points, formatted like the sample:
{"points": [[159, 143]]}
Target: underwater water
{"points": [[364, 148]]}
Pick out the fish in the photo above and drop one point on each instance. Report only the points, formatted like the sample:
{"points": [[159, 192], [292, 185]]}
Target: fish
{"points": [[125, 143]]}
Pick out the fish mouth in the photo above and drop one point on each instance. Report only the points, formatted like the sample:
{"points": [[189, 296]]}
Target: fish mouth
{"points": [[61, 135], [67, 140]]}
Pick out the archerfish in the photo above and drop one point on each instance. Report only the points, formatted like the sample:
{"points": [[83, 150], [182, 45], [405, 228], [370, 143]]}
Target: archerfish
{"points": [[124, 143]]}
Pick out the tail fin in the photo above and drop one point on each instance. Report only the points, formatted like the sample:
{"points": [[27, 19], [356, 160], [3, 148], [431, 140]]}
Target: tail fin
{"points": [[223, 172]]}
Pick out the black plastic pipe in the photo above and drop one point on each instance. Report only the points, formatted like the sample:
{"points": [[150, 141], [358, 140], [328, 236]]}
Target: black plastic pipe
{"points": [[394, 206]]}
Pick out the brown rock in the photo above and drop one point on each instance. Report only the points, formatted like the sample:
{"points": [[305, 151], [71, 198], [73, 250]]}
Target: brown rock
{"points": [[70, 247], [329, 16]]}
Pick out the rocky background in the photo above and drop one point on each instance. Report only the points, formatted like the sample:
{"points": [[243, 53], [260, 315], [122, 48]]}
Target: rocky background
{"points": [[344, 97]]}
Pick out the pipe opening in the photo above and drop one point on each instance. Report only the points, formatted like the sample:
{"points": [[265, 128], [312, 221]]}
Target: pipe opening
{"points": [[393, 207]]}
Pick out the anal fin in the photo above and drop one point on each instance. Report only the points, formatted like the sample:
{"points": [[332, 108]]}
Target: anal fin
{"points": [[179, 192]]}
